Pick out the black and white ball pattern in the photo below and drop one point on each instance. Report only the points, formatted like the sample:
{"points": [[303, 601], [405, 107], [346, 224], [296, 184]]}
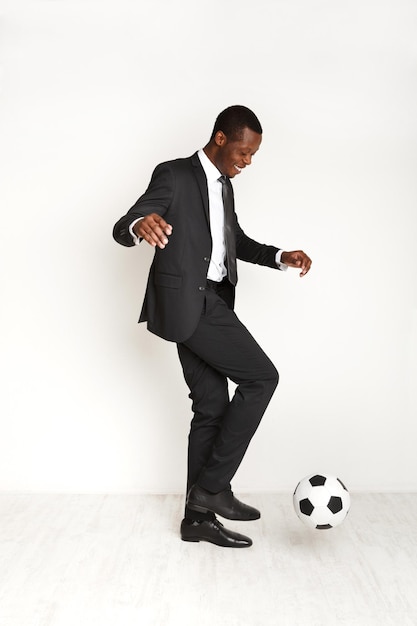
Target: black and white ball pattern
{"points": [[321, 501]]}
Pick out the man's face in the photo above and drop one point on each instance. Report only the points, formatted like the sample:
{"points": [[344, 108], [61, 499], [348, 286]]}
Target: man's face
{"points": [[233, 156]]}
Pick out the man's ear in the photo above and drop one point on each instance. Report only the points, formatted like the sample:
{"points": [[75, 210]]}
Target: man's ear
{"points": [[220, 138]]}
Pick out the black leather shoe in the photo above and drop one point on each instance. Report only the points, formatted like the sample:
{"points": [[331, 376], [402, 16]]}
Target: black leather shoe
{"points": [[214, 532], [223, 503]]}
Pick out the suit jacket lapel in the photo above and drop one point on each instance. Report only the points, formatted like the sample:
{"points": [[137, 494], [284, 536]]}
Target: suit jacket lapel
{"points": [[202, 183]]}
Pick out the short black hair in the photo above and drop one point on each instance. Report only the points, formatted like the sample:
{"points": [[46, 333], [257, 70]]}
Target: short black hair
{"points": [[233, 120]]}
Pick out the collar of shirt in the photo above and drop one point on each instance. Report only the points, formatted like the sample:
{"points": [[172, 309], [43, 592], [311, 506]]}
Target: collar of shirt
{"points": [[210, 170]]}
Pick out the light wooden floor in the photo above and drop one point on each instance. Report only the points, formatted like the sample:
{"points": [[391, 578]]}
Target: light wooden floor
{"points": [[82, 560]]}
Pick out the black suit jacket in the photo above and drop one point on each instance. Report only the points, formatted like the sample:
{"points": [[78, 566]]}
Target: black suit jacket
{"points": [[174, 296]]}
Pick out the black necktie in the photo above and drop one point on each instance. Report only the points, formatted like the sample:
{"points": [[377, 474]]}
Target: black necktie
{"points": [[229, 229]]}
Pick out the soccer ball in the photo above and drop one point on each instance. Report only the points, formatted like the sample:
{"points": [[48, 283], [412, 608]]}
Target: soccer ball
{"points": [[321, 501]]}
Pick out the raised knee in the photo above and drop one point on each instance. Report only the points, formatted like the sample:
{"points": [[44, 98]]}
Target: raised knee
{"points": [[271, 380], [274, 377]]}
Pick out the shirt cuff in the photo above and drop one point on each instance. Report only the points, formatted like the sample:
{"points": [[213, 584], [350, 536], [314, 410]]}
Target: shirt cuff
{"points": [[280, 266], [136, 239]]}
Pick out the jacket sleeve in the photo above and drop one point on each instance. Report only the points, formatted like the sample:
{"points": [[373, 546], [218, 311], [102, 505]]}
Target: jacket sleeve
{"points": [[156, 199], [248, 249]]}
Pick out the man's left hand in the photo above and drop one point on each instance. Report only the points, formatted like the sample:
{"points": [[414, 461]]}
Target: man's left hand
{"points": [[297, 258]]}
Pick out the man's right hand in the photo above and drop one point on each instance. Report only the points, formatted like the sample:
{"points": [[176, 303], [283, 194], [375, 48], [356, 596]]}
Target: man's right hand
{"points": [[154, 229]]}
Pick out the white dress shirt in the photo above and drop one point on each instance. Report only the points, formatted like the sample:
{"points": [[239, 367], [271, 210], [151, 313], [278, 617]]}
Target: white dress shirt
{"points": [[217, 268]]}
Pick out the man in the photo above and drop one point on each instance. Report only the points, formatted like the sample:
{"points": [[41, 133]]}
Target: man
{"points": [[187, 214]]}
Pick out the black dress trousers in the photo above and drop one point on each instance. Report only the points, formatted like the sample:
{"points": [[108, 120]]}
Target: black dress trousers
{"points": [[222, 348]]}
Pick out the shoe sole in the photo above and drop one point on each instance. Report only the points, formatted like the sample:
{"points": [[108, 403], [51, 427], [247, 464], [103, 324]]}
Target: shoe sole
{"points": [[191, 539], [221, 545]]}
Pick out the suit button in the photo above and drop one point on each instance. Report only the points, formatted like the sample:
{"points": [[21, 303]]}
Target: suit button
{"points": [[207, 259], [201, 288]]}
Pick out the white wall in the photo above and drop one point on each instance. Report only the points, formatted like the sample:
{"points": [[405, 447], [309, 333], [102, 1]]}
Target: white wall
{"points": [[93, 96]]}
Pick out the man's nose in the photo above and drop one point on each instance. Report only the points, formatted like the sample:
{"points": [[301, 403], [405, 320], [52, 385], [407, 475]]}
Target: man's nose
{"points": [[247, 159]]}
